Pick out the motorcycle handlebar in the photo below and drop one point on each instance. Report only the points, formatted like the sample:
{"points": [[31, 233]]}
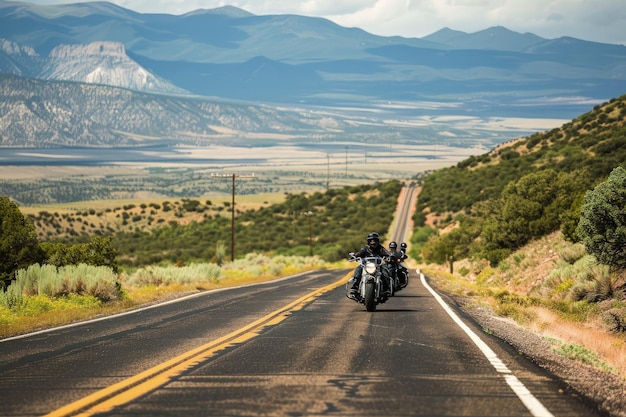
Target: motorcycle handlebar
{"points": [[379, 259]]}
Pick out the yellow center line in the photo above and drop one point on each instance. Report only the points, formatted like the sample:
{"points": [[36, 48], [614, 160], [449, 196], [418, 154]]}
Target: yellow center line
{"points": [[131, 388]]}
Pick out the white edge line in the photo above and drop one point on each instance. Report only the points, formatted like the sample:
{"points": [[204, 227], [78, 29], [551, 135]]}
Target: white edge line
{"points": [[528, 399], [126, 313]]}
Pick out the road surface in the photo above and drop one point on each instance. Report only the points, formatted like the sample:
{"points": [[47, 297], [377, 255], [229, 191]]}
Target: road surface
{"points": [[294, 347]]}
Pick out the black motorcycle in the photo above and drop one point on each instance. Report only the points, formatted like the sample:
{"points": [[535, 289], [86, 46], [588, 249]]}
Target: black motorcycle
{"points": [[370, 292], [397, 272]]}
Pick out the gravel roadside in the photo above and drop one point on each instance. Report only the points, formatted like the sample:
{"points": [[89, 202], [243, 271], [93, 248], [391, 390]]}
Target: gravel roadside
{"points": [[606, 390]]}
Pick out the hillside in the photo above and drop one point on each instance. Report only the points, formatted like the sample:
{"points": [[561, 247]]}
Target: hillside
{"points": [[187, 230], [498, 232], [523, 190], [36, 113], [589, 146]]}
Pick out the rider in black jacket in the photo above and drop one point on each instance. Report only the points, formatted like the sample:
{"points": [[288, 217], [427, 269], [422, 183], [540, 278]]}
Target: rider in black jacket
{"points": [[397, 257], [373, 248]]}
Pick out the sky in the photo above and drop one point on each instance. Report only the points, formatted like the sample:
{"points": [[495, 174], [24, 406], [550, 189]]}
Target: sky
{"points": [[592, 20]]}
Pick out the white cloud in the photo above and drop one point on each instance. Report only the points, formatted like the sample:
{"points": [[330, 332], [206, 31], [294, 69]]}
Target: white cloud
{"points": [[594, 20]]}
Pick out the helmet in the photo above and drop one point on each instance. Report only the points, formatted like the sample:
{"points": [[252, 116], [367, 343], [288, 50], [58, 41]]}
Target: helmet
{"points": [[403, 245], [393, 245], [373, 239]]}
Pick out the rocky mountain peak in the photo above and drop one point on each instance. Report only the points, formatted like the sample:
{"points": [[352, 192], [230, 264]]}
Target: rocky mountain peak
{"points": [[12, 48], [111, 49], [103, 63]]}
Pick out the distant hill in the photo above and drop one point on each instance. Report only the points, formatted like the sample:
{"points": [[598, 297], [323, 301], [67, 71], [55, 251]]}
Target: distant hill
{"points": [[38, 113], [495, 38], [296, 60], [524, 189], [591, 144]]}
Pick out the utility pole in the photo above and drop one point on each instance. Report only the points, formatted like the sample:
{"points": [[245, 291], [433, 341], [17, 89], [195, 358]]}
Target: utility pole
{"points": [[232, 224], [346, 162], [232, 221], [308, 214], [328, 172]]}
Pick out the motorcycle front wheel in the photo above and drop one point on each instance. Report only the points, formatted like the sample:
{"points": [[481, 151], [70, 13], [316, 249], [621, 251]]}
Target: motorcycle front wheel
{"points": [[370, 304]]}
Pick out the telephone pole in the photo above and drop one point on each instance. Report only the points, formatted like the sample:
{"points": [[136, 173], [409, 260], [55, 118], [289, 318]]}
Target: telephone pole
{"points": [[328, 172], [346, 162], [232, 221], [308, 214]]}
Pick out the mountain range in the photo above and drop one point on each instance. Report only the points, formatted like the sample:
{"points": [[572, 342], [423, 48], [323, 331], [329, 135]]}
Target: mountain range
{"points": [[291, 61]]}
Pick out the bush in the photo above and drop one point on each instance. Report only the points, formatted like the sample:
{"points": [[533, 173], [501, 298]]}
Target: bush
{"points": [[12, 298], [18, 241], [165, 275], [97, 281], [572, 253], [99, 251]]}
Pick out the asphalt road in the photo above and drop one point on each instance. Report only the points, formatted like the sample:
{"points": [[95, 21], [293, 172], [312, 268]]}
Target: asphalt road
{"points": [[296, 347]]}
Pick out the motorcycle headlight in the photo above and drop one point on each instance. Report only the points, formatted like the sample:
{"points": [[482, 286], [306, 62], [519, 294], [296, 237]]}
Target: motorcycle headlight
{"points": [[370, 267]]}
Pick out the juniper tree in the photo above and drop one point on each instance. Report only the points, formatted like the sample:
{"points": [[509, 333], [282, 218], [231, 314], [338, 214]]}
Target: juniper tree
{"points": [[602, 224], [19, 246]]}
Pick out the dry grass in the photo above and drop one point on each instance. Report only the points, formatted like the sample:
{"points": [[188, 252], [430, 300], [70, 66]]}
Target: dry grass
{"points": [[610, 347], [523, 275]]}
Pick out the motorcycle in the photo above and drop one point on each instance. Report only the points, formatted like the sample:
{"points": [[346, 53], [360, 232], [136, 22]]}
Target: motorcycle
{"points": [[370, 292], [398, 273]]}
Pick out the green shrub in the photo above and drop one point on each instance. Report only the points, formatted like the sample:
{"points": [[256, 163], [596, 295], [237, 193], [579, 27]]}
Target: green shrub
{"points": [[12, 297], [164, 275], [582, 354], [97, 281], [585, 280], [572, 253], [484, 276], [577, 311]]}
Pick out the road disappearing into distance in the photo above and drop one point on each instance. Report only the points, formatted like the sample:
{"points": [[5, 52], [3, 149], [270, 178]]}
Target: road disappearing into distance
{"points": [[293, 346]]}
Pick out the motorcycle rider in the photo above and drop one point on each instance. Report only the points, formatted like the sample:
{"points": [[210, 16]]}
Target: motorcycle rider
{"points": [[373, 248], [398, 256], [403, 248]]}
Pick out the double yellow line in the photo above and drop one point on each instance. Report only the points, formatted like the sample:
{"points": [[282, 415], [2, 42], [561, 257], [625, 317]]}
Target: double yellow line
{"points": [[140, 384]]}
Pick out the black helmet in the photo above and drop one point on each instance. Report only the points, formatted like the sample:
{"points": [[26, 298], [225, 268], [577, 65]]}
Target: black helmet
{"points": [[373, 240], [403, 245], [393, 245]]}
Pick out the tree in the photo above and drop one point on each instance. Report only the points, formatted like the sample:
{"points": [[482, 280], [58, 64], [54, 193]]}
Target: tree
{"points": [[602, 224], [99, 251], [448, 247], [528, 209], [19, 247]]}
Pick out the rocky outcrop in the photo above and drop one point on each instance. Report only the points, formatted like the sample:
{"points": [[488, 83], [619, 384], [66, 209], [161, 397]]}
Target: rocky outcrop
{"points": [[104, 63]]}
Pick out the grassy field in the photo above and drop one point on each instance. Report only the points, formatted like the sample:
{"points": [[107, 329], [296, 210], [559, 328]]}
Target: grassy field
{"points": [[57, 221]]}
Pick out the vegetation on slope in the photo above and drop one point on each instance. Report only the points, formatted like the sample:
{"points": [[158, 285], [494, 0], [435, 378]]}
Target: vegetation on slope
{"points": [[524, 189], [483, 218], [590, 146], [339, 220]]}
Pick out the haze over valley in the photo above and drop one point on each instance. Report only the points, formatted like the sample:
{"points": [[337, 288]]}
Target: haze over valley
{"points": [[94, 85]]}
